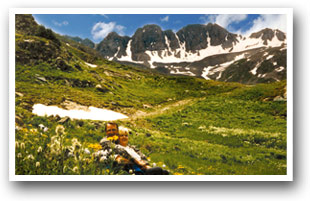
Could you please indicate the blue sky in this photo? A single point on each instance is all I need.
(97, 26)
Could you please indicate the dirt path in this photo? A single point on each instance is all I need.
(162, 109)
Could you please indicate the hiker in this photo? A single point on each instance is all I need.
(111, 130)
(131, 158)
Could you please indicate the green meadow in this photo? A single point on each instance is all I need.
(186, 125)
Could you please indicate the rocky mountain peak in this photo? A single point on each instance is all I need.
(149, 37)
(200, 36)
(268, 34)
(113, 44)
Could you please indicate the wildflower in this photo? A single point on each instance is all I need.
(115, 137)
(60, 130)
(43, 135)
(22, 145)
(37, 164)
(108, 171)
(19, 155)
(96, 147)
(24, 130)
(178, 173)
(164, 166)
(75, 143)
(17, 144)
(33, 130)
(39, 149)
(41, 126)
(75, 169)
(30, 156)
(154, 164)
(17, 128)
(180, 167)
(130, 171)
(148, 158)
(102, 159)
(86, 151)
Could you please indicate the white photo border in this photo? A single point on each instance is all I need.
(287, 11)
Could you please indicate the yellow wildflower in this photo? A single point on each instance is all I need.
(33, 130)
(178, 173)
(115, 137)
(43, 135)
(180, 167)
(96, 147)
(112, 138)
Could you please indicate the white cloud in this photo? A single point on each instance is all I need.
(267, 21)
(101, 29)
(224, 20)
(164, 19)
(59, 24)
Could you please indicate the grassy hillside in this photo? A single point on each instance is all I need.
(189, 125)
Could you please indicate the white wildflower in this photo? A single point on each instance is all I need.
(19, 155)
(75, 143)
(39, 149)
(41, 126)
(22, 145)
(60, 130)
(86, 151)
(30, 156)
(102, 159)
(38, 164)
(75, 169)
(17, 144)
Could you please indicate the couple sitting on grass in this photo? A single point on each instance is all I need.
(126, 155)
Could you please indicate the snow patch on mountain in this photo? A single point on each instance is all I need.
(177, 71)
(128, 56)
(91, 65)
(279, 69)
(181, 55)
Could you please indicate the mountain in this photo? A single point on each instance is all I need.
(190, 51)
(85, 41)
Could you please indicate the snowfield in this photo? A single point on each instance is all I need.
(91, 113)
